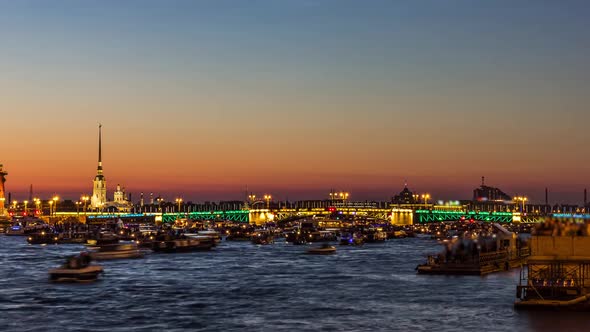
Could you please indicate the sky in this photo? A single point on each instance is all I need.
(202, 99)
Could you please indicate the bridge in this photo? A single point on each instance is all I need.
(260, 216)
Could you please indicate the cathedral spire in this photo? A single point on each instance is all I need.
(99, 148)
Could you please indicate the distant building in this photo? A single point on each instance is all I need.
(405, 197)
(489, 194)
(99, 191)
(98, 201)
(120, 202)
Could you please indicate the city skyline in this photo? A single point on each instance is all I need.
(203, 99)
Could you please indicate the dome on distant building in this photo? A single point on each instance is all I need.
(405, 196)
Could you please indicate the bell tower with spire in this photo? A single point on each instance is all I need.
(99, 191)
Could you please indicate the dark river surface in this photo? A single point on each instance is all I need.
(243, 287)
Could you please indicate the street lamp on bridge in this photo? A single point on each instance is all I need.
(425, 197)
(85, 199)
(37, 205)
(267, 198)
(178, 201)
(55, 200)
(522, 199)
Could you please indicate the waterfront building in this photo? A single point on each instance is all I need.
(120, 203)
(99, 191)
(405, 197)
(489, 194)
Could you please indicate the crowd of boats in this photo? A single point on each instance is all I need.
(114, 239)
(554, 257)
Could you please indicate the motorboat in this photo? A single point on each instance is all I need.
(209, 233)
(43, 238)
(76, 269)
(182, 245)
(102, 238)
(326, 249)
(116, 251)
(26, 226)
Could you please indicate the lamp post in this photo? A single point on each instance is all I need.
(85, 200)
(426, 197)
(55, 200)
(37, 203)
(78, 208)
(267, 198)
(159, 199)
(521, 199)
(14, 206)
(50, 208)
(26, 203)
(179, 201)
(416, 198)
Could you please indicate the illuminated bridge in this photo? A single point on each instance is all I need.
(261, 216)
(424, 216)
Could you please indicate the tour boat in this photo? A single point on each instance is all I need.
(465, 256)
(556, 274)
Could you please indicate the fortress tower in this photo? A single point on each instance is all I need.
(99, 191)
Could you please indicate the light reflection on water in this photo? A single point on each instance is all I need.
(239, 286)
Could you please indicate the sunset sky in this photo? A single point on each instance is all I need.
(203, 98)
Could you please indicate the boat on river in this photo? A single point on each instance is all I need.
(26, 226)
(76, 269)
(182, 245)
(480, 256)
(557, 275)
(209, 233)
(326, 249)
(116, 251)
(263, 238)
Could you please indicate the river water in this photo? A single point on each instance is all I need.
(241, 286)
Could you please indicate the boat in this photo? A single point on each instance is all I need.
(556, 274)
(102, 238)
(200, 235)
(326, 249)
(116, 251)
(26, 226)
(465, 256)
(147, 230)
(263, 238)
(375, 236)
(182, 245)
(351, 240)
(76, 269)
(43, 238)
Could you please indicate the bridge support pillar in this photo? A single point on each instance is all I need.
(260, 217)
(402, 217)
